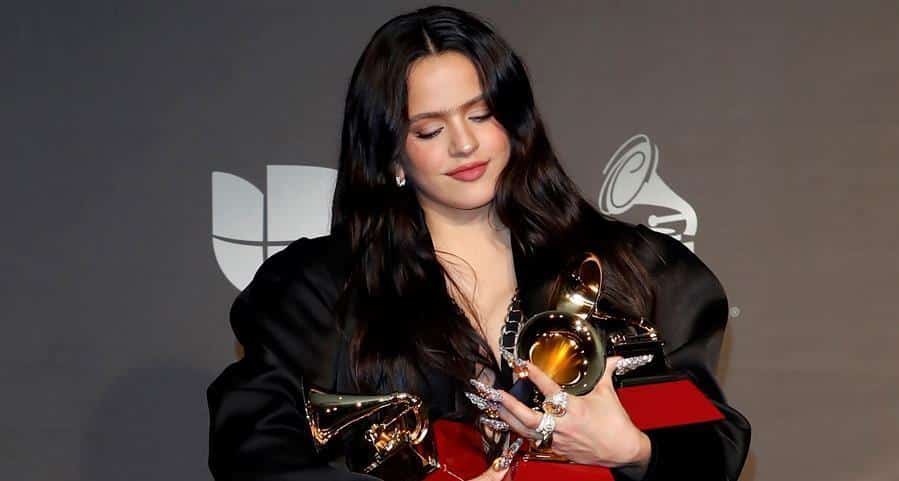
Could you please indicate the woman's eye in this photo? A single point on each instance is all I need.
(428, 135)
(431, 135)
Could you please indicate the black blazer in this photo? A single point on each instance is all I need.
(285, 322)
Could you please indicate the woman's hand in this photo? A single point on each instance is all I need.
(491, 475)
(594, 430)
(500, 466)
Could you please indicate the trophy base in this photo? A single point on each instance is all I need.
(667, 404)
(541, 454)
(458, 450)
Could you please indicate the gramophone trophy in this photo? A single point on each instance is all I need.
(571, 340)
(388, 423)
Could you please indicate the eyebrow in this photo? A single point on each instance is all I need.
(438, 113)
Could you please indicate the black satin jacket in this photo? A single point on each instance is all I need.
(284, 320)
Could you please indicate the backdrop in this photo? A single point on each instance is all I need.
(155, 153)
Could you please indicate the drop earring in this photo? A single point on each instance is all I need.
(400, 181)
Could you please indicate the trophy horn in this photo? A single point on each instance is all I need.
(571, 340)
(393, 421)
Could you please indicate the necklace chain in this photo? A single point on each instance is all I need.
(511, 326)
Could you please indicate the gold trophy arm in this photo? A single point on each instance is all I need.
(330, 414)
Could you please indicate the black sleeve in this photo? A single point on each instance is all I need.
(258, 429)
(691, 312)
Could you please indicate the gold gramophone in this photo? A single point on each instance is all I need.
(572, 338)
(390, 423)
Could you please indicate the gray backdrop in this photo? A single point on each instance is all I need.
(777, 122)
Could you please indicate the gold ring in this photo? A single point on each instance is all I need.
(557, 404)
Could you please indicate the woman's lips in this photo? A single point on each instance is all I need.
(469, 172)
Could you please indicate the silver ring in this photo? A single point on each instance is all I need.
(546, 427)
(556, 404)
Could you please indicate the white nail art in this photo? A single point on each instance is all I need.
(512, 360)
(486, 391)
(628, 364)
(494, 424)
(514, 447)
(480, 403)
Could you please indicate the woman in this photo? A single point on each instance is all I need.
(449, 200)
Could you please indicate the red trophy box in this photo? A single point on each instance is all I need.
(650, 406)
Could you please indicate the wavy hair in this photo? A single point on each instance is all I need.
(405, 320)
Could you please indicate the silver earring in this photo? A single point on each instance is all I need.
(400, 181)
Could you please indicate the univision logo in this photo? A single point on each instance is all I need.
(248, 226)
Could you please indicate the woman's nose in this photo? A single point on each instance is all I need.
(463, 141)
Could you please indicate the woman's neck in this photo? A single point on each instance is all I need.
(461, 231)
(475, 250)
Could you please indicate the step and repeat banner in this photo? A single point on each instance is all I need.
(157, 152)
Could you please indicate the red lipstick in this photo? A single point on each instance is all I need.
(469, 172)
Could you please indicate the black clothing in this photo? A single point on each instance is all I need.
(284, 320)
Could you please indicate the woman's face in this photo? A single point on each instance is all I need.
(455, 148)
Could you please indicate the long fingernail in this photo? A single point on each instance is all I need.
(505, 460)
(494, 424)
(520, 373)
(514, 447)
(519, 366)
(501, 463)
(513, 361)
(628, 364)
(480, 403)
(486, 391)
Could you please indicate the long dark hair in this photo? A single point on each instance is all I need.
(405, 320)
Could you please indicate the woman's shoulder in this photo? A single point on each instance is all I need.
(293, 290)
(674, 269)
(689, 297)
(660, 253)
(321, 260)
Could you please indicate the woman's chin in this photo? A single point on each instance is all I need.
(467, 198)
(474, 204)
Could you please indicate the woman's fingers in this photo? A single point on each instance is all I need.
(491, 475)
(606, 379)
(520, 418)
(500, 466)
(515, 424)
(521, 412)
(544, 383)
(496, 403)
